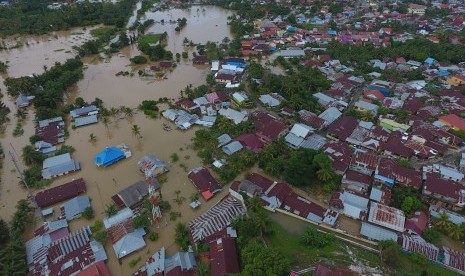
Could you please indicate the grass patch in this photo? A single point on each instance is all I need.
(145, 40)
(103, 33)
(301, 255)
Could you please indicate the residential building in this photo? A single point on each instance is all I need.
(205, 183)
(385, 216)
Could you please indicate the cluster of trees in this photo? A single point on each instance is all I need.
(315, 239)
(150, 107)
(33, 16)
(103, 36)
(297, 87)
(181, 236)
(155, 52)
(302, 167)
(12, 250)
(182, 22)
(256, 257)
(417, 49)
(455, 231)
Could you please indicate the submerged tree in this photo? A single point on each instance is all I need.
(136, 131)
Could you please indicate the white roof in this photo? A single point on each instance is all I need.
(353, 204)
(330, 115)
(129, 243)
(301, 130)
(121, 216)
(386, 216)
(234, 115)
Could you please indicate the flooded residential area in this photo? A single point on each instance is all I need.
(158, 137)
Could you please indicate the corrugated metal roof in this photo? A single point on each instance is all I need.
(87, 120)
(56, 160)
(377, 233)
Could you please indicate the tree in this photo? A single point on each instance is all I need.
(135, 129)
(443, 222)
(92, 138)
(4, 232)
(411, 204)
(432, 235)
(79, 102)
(31, 156)
(390, 253)
(101, 237)
(455, 231)
(88, 213)
(181, 236)
(123, 39)
(260, 260)
(325, 174)
(111, 210)
(141, 221)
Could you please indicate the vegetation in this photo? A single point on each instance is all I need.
(411, 204)
(139, 60)
(33, 17)
(313, 238)
(3, 67)
(432, 235)
(101, 237)
(174, 157)
(150, 108)
(88, 213)
(152, 45)
(181, 236)
(153, 236)
(98, 224)
(182, 22)
(111, 210)
(135, 129)
(175, 215)
(141, 221)
(12, 250)
(134, 262)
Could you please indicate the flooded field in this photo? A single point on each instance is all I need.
(207, 24)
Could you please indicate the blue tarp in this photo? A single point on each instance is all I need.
(331, 32)
(384, 179)
(430, 60)
(237, 64)
(108, 157)
(443, 73)
(290, 28)
(381, 89)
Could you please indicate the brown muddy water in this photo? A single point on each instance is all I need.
(100, 81)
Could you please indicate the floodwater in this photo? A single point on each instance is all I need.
(100, 81)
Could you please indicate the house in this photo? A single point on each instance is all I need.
(24, 101)
(301, 207)
(215, 219)
(416, 9)
(224, 258)
(51, 130)
(342, 128)
(241, 99)
(356, 181)
(250, 141)
(44, 147)
(124, 238)
(181, 263)
(323, 99)
(385, 216)
(366, 107)
(85, 120)
(351, 204)
(232, 147)
(132, 195)
(268, 128)
(225, 78)
(200, 60)
(112, 155)
(454, 259)
(271, 100)
(340, 155)
(330, 115)
(415, 244)
(59, 252)
(186, 104)
(244, 186)
(453, 121)
(202, 179)
(297, 135)
(456, 80)
(60, 193)
(389, 172)
(393, 125)
(97, 269)
(381, 194)
(417, 223)
(234, 115)
(311, 119)
(223, 140)
(364, 162)
(315, 142)
(84, 111)
(374, 232)
(151, 166)
(444, 190)
(59, 165)
(291, 53)
(74, 207)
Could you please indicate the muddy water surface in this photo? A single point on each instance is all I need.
(100, 81)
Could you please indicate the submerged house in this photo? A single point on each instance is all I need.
(111, 155)
(151, 166)
(73, 208)
(131, 195)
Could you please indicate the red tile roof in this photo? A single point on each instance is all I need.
(260, 180)
(354, 176)
(250, 141)
(442, 187)
(417, 223)
(453, 121)
(343, 127)
(97, 269)
(204, 181)
(60, 193)
(223, 257)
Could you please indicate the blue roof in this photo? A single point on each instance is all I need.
(381, 89)
(108, 156)
(332, 32)
(385, 179)
(291, 28)
(430, 60)
(443, 73)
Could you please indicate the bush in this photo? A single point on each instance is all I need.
(153, 236)
(174, 157)
(432, 235)
(88, 213)
(98, 224)
(133, 262)
(139, 60)
(164, 205)
(317, 239)
(141, 221)
(101, 237)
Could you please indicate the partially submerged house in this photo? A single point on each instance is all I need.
(74, 207)
(60, 193)
(111, 155)
(51, 130)
(151, 166)
(181, 263)
(59, 165)
(205, 183)
(132, 195)
(223, 256)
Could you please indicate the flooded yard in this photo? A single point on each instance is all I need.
(206, 24)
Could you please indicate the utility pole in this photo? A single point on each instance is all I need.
(30, 196)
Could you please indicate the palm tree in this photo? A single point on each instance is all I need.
(92, 138)
(254, 204)
(443, 221)
(136, 131)
(455, 231)
(31, 156)
(106, 121)
(324, 174)
(114, 112)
